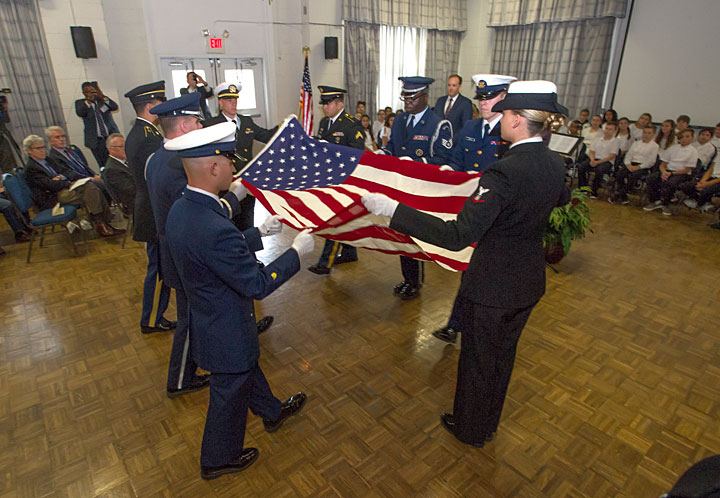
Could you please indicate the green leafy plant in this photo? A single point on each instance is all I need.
(568, 222)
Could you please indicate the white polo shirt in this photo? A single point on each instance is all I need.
(604, 148)
(679, 157)
(643, 153)
(705, 152)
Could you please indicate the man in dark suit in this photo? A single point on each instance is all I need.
(420, 135)
(96, 112)
(341, 128)
(505, 217)
(454, 106)
(50, 187)
(477, 146)
(144, 139)
(218, 271)
(196, 83)
(63, 157)
(227, 95)
(117, 173)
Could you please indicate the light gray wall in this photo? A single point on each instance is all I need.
(476, 45)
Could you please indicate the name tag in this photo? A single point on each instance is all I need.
(470, 139)
(421, 137)
(338, 134)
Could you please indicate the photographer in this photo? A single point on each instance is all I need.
(196, 83)
(96, 112)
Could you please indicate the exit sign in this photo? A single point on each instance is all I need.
(215, 46)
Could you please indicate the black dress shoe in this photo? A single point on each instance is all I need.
(246, 459)
(291, 407)
(447, 334)
(319, 270)
(410, 291)
(448, 422)
(264, 323)
(164, 325)
(200, 382)
(399, 287)
(22, 236)
(345, 259)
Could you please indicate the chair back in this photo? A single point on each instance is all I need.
(111, 190)
(18, 190)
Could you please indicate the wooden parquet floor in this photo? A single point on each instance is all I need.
(615, 392)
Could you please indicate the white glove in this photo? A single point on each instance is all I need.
(379, 204)
(271, 226)
(238, 189)
(304, 242)
(381, 152)
(445, 167)
(406, 158)
(472, 172)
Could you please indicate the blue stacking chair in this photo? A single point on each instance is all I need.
(22, 196)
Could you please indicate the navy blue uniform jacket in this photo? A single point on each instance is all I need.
(166, 181)
(506, 216)
(460, 112)
(221, 278)
(143, 140)
(473, 152)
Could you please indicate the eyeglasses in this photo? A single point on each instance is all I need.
(116, 146)
(38, 147)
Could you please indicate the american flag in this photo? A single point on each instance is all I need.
(306, 103)
(318, 185)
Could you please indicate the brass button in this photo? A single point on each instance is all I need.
(467, 150)
(480, 152)
(476, 165)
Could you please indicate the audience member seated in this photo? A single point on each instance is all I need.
(50, 187)
(666, 136)
(700, 192)
(610, 115)
(625, 139)
(378, 124)
(385, 133)
(675, 167)
(7, 208)
(601, 157)
(637, 128)
(117, 173)
(716, 138)
(583, 118)
(683, 122)
(636, 164)
(67, 160)
(593, 131)
(707, 152)
(367, 130)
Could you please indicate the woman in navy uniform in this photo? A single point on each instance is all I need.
(477, 146)
(217, 269)
(337, 127)
(144, 139)
(420, 135)
(505, 217)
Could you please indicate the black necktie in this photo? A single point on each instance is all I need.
(487, 130)
(100, 121)
(75, 162)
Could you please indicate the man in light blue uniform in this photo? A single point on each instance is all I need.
(420, 135)
(477, 146)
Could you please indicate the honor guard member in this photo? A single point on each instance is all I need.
(505, 218)
(477, 146)
(144, 139)
(341, 128)
(217, 269)
(420, 135)
(227, 94)
(166, 181)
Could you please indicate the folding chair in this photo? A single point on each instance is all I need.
(125, 209)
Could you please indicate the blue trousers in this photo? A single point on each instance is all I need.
(330, 252)
(230, 397)
(181, 372)
(8, 210)
(156, 294)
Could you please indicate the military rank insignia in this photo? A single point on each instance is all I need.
(419, 152)
(359, 134)
(447, 143)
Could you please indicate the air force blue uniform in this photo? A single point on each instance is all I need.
(217, 267)
(428, 141)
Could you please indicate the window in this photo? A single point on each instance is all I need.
(402, 53)
(179, 79)
(246, 79)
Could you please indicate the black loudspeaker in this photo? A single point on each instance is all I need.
(84, 42)
(331, 47)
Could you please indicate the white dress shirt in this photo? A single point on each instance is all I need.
(644, 153)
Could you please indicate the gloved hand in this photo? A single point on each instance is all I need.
(304, 242)
(472, 172)
(445, 167)
(379, 204)
(238, 189)
(270, 226)
(381, 152)
(406, 158)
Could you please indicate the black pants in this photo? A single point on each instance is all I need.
(663, 190)
(703, 196)
(413, 271)
(487, 355)
(625, 179)
(245, 219)
(100, 152)
(584, 169)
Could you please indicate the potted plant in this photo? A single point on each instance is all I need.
(566, 223)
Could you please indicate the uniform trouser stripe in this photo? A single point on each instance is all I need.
(183, 363)
(156, 302)
(333, 253)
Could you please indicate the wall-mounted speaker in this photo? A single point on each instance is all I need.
(84, 42)
(331, 47)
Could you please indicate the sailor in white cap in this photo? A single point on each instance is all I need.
(505, 217)
(216, 266)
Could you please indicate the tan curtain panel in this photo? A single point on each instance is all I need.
(574, 55)
(362, 64)
(430, 14)
(522, 12)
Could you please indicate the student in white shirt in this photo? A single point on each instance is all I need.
(706, 150)
(583, 118)
(601, 157)
(636, 164)
(700, 192)
(609, 115)
(675, 168)
(378, 124)
(666, 136)
(637, 128)
(593, 131)
(385, 132)
(716, 138)
(367, 130)
(683, 122)
(624, 137)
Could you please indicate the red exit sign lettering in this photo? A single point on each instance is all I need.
(216, 43)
